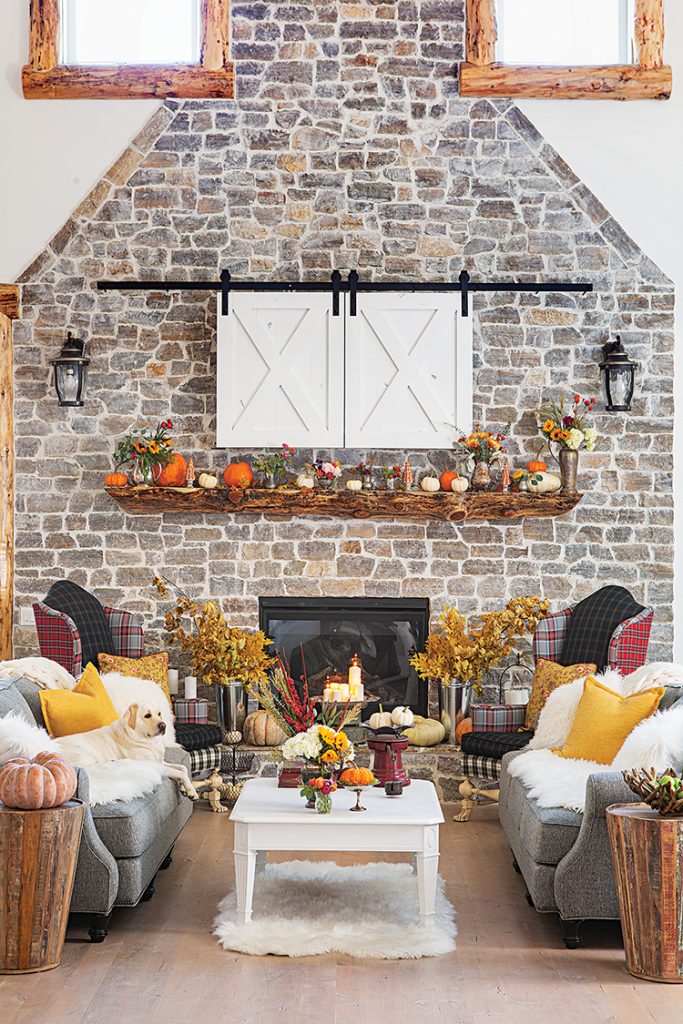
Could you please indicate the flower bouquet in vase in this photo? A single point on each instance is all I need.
(484, 449)
(272, 465)
(564, 424)
(324, 751)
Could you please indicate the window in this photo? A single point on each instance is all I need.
(105, 49)
(539, 32)
(130, 32)
(565, 49)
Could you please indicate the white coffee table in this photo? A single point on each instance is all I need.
(267, 818)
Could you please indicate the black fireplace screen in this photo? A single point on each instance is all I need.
(322, 635)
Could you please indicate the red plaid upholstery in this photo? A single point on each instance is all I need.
(627, 649)
(191, 712)
(59, 639)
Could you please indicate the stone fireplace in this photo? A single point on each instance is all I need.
(319, 636)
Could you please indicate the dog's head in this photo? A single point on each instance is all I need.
(144, 721)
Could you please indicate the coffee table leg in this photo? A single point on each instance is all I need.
(245, 870)
(261, 860)
(427, 874)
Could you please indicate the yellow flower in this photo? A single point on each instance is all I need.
(518, 473)
(548, 426)
(326, 735)
(493, 443)
(153, 448)
(341, 741)
(330, 757)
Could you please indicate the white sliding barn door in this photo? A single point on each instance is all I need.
(408, 370)
(280, 371)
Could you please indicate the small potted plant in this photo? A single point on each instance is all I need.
(390, 474)
(272, 465)
(364, 472)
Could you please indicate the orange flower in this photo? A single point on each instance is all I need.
(493, 443)
(548, 426)
(140, 447)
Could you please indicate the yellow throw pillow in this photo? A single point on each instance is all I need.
(604, 719)
(86, 707)
(150, 666)
(547, 677)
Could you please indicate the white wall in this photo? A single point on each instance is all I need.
(630, 155)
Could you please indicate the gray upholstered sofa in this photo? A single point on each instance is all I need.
(123, 844)
(564, 857)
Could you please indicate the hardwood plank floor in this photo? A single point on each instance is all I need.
(161, 965)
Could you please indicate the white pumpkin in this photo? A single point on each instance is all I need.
(430, 484)
(380, 720)
(354, 485)
(543, 483)
(402, 716)
(207, 480)
(305, 481)
(460, 484)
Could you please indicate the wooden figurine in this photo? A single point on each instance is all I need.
(217, 788)
(407, 475)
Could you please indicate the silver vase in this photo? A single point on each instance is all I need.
(456, 698)
(569, 465)
(231, 705)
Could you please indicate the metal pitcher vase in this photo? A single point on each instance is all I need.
(231, 705)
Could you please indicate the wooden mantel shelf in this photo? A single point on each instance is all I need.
(343, 504)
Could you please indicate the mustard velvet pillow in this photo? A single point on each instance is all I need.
(82, 709)
(604, 719)
(547, 677)
(150, 666)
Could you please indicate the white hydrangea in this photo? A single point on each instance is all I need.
(575, 439)
(304, 744)
(590, 435)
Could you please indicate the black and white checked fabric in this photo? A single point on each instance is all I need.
(592, 624)
(205, 759)
(474, 767)
(88, 615)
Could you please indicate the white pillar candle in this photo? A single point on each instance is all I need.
(357, 691)
(327, 694)
(173, 681)
(344, 691)
(190, 687)
(355, 671)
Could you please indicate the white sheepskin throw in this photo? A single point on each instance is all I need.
(42, 671)
(122, 780)
(19, 738)
(558, 712)
(126, 690)
(369, 911)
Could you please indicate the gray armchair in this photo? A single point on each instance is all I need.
(123, 844)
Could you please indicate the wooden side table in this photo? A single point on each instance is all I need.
(647, 850)
(38, 855)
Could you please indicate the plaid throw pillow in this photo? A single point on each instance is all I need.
(547, 677)
(592, 623)
(88, 615)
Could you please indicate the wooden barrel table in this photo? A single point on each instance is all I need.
(38, 855)
(647, 850)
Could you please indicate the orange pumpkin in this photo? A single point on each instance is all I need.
(238, 474)
(446, 479)
(357, 777)
(46, 781)
(536, 467)
(115, 480)
(173, 473)
(464, 727)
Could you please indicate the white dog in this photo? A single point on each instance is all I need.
(136, 736)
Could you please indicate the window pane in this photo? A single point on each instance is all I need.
(565, 32)
(130, 31)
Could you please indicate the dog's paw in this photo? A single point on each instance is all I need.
(189, 791)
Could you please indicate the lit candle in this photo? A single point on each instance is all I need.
(343, 691)
(327, 694)
(190, 687)
(357, 691)
(355, 671)
(173, 681)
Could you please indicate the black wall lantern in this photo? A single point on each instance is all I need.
(71, 372)
(618, 377)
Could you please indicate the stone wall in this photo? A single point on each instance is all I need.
(347, 147)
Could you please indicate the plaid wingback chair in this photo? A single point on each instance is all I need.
(483, 751)
(60, 641)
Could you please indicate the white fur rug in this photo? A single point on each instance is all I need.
(369, 911)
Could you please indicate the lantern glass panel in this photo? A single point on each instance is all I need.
(70, 382)
(620, 385)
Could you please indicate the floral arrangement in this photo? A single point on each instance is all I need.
(392, 472)
(480, 445)
(274, 463)
(218, 652)
(293, 711)
(364, 469)
(328, 748)
(324, 470)
(145, 448)
(456, 652)
(319, 790)
(565, 423)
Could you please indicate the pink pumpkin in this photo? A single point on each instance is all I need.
(46, 781)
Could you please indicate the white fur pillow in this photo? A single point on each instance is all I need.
(126, 690)
(558, 712)
(19, 738)
(657, 742)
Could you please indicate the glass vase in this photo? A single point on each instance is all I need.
(569, 466)
(323, 803)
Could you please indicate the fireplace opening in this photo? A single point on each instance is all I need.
(323, 634)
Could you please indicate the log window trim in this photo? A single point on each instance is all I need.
(46, 79)
(482, 75)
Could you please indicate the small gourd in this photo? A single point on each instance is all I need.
(305, 481)
(354, 485)
(115, 480)
(380, 720)
(464, 726)
(430, 484)
(536, 467)
(357, 777)
(460, 484)
(426, 732)
(543, 483)
(261, 730)
(402, 716)
(208, 481)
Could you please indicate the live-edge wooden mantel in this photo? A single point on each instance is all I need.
(343, 504)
